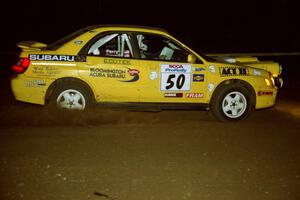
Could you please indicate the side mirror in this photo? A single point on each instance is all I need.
(191, 58)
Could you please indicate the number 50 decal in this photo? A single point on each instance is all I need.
(179, 81)
(175, 77)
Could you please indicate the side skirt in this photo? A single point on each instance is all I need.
(154, 107)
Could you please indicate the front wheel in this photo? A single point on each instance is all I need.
(231, 102)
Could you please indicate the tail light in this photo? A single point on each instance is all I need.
(21, 66)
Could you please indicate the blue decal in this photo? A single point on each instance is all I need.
(199, 69)
(198, 77)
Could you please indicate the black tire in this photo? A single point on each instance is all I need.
(71, 95)
(231, 102)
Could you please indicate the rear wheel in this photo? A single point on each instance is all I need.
(66, 102)
(231, 102)
(71, 95)
(71, 99)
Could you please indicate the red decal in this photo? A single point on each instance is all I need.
(133, 72)
(173, 94)
(194, 95)
(176, 66)
(261, 93)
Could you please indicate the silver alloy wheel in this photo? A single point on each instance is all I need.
(71, 99)
(234, 104)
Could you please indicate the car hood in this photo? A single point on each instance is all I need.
(249, 61)
(229, 69)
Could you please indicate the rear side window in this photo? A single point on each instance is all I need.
(112, 45)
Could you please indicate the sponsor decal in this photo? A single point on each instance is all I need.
(194, 95)
(78, 42)
(210, 87)
(117, 61)
(48, 57)
(108, 73)
(127, 54)
(234, 71)
(115, 73)
(256, 72)
(198, 77)
(35, 83)
(64, 58)
(199, 69)
(212, 68)
(153, 75)
(46, 70)
(175, 77)
(267, 93)
(115, 53)
(80, 58)
(50, 70)
(174, 95)
(134, 73)
(39, 70)
(175, 68)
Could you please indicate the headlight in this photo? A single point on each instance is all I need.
(280, 69)
(273, 81)
(268, 82)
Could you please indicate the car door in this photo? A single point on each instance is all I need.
(110, 69)
(171, 79)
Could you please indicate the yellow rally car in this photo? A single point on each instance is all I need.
(118, 64)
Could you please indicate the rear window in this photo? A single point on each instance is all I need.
(67, 38)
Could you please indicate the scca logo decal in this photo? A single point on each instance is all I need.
(176, 66)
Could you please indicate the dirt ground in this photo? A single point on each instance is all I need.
(130, 155)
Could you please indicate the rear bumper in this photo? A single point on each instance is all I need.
(28, 90)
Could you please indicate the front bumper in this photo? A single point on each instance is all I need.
(266, 96)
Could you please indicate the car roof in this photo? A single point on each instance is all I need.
(124, 26)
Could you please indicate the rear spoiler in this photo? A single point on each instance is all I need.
(31, 45)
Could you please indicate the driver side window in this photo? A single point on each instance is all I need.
(112, 45)
(155, 47)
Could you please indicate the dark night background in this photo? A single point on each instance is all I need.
(206, 26)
